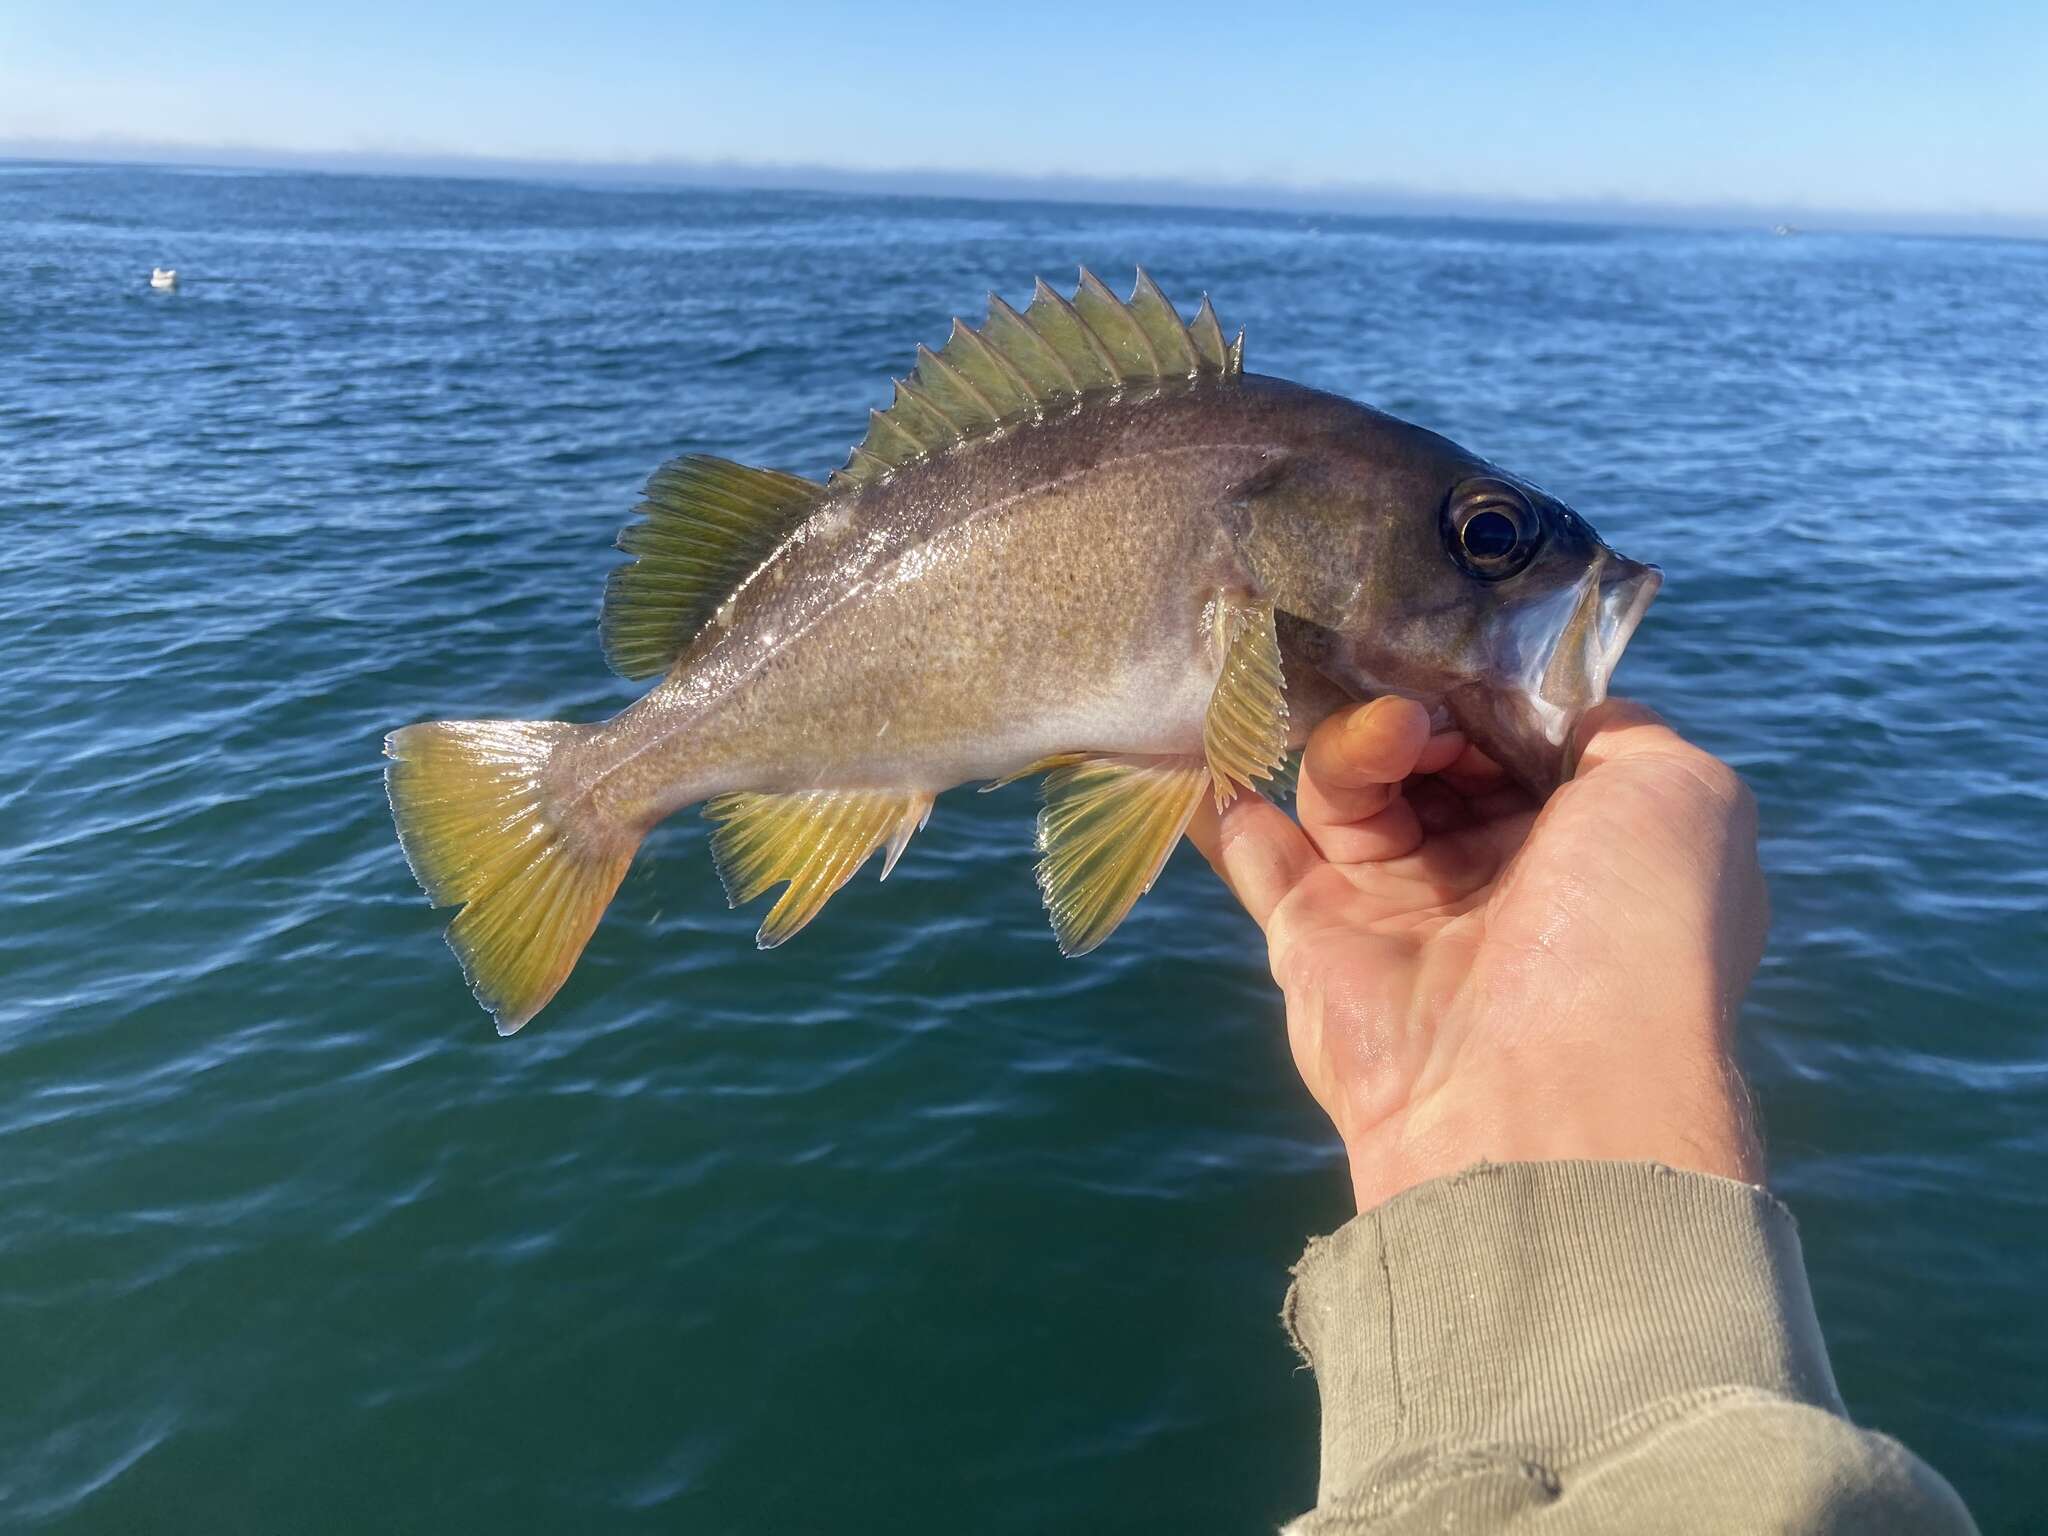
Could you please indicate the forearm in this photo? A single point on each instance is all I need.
(1586, 1346)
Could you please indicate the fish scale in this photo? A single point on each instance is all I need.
(1081, 541)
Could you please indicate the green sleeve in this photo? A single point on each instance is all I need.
(1584, 1346)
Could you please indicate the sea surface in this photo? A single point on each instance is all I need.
(911, 1225)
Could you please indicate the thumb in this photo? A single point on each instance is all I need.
(1255, 848)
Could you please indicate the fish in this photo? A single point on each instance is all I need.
(1081, 542)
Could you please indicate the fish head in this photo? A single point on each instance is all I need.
(1404, 564)
(1558, 607)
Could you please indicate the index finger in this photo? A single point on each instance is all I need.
(1358, 756)
(1350, 796)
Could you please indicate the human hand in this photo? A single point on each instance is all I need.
(1469, 977)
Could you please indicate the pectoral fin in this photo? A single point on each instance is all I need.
(1105, 833)
(1285, 783)
(1244, 735)
(1110, 823)
(813, 839)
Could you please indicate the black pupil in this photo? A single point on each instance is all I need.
(1490, 535)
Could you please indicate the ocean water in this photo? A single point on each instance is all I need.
(912, 1224)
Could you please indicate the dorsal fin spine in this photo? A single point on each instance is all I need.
(960, 410)
(928, 427)
(1056, 355)
(1053, 379)
(927, 397)
(972, 343)
(1014, 324)
(927, 358)
(1207, 336)
(930, 398)
(1155, 315)
(1110, 319)
(880, 424)
(969, 340)
(1060, 311)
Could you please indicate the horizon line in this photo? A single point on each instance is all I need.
(1358, 199)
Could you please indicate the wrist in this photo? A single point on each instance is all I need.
(1686, 1108)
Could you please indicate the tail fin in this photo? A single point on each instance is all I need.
(479, 827)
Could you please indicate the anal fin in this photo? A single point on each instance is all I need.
(1108, 825)
(1043, 765)
(812, 839)
(1244, 734)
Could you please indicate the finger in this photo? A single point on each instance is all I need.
(1441, 752)
(1472, 772)
(1356, 760)
(1392, 833)
(1256, 849)
(1622, 728)
(1622, 735)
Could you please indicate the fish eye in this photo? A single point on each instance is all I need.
(1491, 528)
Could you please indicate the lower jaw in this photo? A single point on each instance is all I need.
(1532, 725)
(1502, 725)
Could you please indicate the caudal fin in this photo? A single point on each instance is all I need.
(480, 827)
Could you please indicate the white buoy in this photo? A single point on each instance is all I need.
(163, 277)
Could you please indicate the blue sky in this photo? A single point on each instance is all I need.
(1884, 106)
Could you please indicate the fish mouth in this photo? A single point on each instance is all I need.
(1553, 658)
(1565, 672)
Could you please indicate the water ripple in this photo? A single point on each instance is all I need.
(727, 1234)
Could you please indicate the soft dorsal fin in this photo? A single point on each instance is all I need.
(1021, 367)
(705, 526)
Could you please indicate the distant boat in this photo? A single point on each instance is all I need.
(1784, 229)
(163, 277)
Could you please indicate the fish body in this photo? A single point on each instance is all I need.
(1081, 540)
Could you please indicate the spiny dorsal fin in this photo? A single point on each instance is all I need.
(705, 527)
(814, 839)
(1020, 367)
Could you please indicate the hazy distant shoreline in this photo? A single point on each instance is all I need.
(1348, 199)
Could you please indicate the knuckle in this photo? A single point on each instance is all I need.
(1717, 781)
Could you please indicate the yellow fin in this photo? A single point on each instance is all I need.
(1043, 765)
(1105, 833)
(813, 839)
(1169, 335)
(1244, 734)
(705, 526)
(1020, 367)
(1286, 781)
(478, 827)
(1207, 335)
